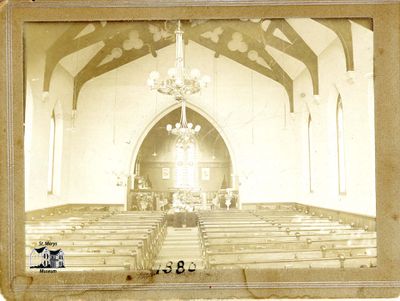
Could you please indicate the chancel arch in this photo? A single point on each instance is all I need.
(165, 165)
(192, 108)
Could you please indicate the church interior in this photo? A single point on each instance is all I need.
(200, 144)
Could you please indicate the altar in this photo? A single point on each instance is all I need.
(189, 201)
(175, 201)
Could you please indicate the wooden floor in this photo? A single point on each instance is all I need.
(280, 237)
(181, 244)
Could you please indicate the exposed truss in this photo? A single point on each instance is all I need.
(95, 67)
(272, 69)
(342, 28)
(214, 35)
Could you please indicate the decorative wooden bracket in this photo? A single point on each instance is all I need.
(342, 28)
(214, 35)
(69, 43)
(267, 66)
(96, 66)
(296, 47)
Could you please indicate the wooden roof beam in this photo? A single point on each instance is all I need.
(68, 43)
(364, 22)
(58, 50)
(342, 28)
(275, 72)
(94, 67)
(297, 48)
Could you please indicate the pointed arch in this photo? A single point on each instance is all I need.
(208, 117)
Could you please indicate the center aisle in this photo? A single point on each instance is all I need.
(180, 244)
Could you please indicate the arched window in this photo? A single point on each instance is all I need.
(309, 140)
(52, 143)
(185, 164)
(340, 146)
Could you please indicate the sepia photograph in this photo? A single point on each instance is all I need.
(183, 145)
(195, 150)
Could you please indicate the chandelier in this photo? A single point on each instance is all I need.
(184, 130)
(180, 82)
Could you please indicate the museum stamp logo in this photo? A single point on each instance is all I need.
(45, 259)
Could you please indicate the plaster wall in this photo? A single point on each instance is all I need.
(267, 143)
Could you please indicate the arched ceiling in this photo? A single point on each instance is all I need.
(280, 49)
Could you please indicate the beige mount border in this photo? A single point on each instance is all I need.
(383, 281)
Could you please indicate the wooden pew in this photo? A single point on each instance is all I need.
(352, 262)
(254, 256)
(266, 228)
(100, 238)
(286, 238)
(288, 245)
(280, 233)
(282, 238)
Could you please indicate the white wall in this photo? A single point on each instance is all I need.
(268, 144)
(358, 107)
(37, 136)
(117, 107)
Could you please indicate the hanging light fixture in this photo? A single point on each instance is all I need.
(180, 82)
(186, 131)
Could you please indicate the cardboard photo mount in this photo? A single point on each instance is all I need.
(382, 281)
